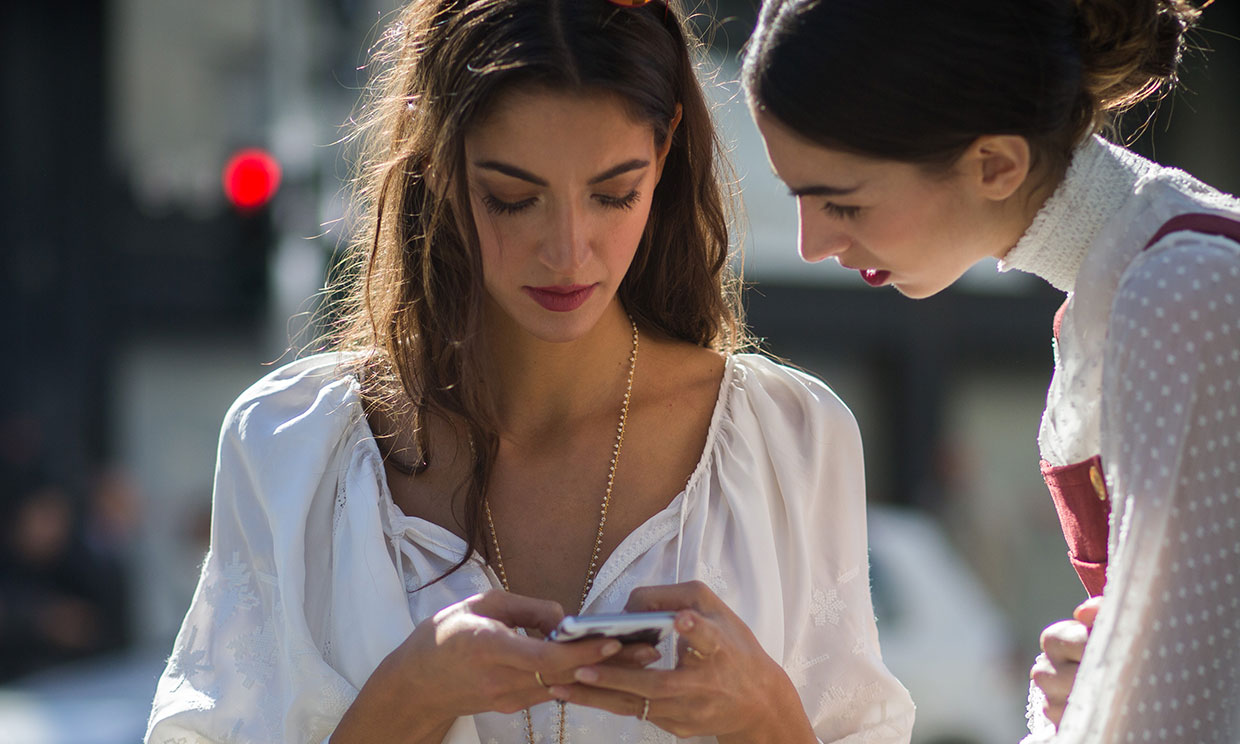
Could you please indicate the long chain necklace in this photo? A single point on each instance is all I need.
(598, 538)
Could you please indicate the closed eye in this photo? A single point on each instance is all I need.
(628, 201)
(498, 206)
(841, 211)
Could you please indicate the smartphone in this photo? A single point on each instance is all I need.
(626, 627)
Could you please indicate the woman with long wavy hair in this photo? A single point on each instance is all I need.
(535, 406)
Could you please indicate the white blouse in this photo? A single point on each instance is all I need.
(1147, 374)
(309, 582)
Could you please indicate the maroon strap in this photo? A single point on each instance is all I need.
(1209, 224)
(1079, 490)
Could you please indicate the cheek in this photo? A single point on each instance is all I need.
(617, 233)
(495, 244)
(625, 235)
(918, 228)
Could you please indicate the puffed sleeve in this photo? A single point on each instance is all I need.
(831, 650)
(245, 666)
(1161, 661)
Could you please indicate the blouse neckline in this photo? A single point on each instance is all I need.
(1098, 182)
(449, 546)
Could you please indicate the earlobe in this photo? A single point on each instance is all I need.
(666, 147)
(1001, 164)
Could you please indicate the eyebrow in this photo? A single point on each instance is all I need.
(524, 175)
(619, 170)
(822, 190)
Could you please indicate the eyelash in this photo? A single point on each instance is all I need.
(497, 206)
(628, 201)
(837, 210)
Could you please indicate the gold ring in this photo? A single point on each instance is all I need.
(539, 679)
(695, 653)
(645, 709)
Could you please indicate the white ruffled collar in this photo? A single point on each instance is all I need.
(1100, 179)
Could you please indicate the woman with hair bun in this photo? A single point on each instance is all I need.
(920, 136)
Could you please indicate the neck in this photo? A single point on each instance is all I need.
(1018, 212)
(538, 383)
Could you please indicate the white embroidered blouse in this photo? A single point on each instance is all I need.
(1147, 374)
(309, 582)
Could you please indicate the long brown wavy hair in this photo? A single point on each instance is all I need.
(411, 283)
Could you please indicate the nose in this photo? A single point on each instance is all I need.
(817, 237)
(567, 245)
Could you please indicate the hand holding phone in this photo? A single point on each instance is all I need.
(626, 627)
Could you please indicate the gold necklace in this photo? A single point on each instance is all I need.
(602, 522)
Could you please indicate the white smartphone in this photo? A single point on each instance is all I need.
(626, 627)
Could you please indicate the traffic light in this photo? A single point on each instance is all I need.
(251, 178)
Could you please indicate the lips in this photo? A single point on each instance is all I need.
(875, 277)
(561, 299)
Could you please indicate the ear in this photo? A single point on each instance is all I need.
(997, 165)
(661, 155)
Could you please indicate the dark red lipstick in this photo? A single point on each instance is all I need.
(875, 277)
(561, 299)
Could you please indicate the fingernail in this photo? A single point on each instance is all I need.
(648, 655)
(686, 622)
(559, 693)
(611, 648)
(586, 674)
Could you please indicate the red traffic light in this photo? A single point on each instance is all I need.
(251, 178)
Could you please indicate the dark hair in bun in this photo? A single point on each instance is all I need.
(1130, 50)
(920, 80)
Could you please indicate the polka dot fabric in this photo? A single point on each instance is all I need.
(1148, 375)
(1163, 666)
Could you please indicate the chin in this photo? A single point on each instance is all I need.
(919, 291)
(558, 328)
(556, 334)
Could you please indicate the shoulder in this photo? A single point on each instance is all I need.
(791, 441)
(781, 399)
(1183, 270)
(300, 400)
(281, 441)
(1176, 312)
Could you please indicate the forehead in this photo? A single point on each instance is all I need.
(794, 156)
(535, 123)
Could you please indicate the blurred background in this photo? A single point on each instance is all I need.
(171, 194)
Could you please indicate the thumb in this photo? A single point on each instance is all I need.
(1087, 611)
(517, 611)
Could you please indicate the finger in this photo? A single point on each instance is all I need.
(1054, 712)
(635, 656)
(551, 657)
(1087, 611)
(620, 703)
(1065, 641)
(561, 677)
(1055, 681)
(671, 597)
(519, 690)
(655, 684)
(546, 667)
(699, 633)
(517, 611)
